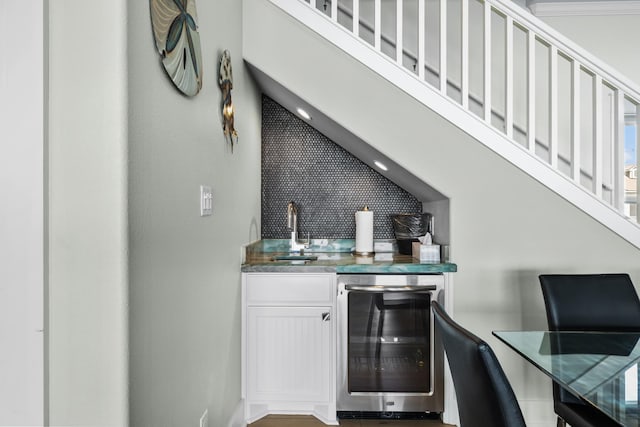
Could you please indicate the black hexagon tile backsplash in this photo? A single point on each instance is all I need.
(326, 182)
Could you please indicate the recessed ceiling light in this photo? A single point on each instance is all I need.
(304, 114)
(380, 165)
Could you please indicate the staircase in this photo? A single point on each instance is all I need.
(507, 79)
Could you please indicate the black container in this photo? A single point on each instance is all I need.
(408, 227)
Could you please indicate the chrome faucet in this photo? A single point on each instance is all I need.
(292, 224)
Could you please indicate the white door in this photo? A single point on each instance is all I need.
(289, 358)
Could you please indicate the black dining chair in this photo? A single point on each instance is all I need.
(587, 302)
(485, 397)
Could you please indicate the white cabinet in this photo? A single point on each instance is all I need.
(289, 358)
(287, 353)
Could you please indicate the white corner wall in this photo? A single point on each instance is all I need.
(22, 214)
(185, 269)
(87, 318)
(506, 228)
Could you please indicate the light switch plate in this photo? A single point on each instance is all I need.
(206, 200)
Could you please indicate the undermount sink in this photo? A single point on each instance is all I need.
(295, 258)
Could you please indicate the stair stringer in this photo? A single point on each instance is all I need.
(464, 120)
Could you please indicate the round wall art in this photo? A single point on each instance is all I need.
(175, 31)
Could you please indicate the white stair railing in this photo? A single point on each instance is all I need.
(541, 90)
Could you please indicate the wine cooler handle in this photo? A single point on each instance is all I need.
(390, 288)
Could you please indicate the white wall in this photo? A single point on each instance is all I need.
(506, 228)
(22, 213)
(185, 269)
(87, 214)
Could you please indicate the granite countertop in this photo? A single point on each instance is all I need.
(335, 255)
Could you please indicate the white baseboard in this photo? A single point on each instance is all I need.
(237, 418)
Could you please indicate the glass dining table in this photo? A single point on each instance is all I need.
(599, 367)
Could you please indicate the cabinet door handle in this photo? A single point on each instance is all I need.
(326, 317)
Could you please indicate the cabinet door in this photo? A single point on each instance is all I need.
(289, 354)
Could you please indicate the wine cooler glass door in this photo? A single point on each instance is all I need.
(388, 342)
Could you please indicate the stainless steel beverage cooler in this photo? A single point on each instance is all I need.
(389, 360)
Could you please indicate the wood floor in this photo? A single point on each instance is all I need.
(309, 421)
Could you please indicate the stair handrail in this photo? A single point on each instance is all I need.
(568, 45)
(603, 75)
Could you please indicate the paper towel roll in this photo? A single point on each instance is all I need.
(364, 232)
